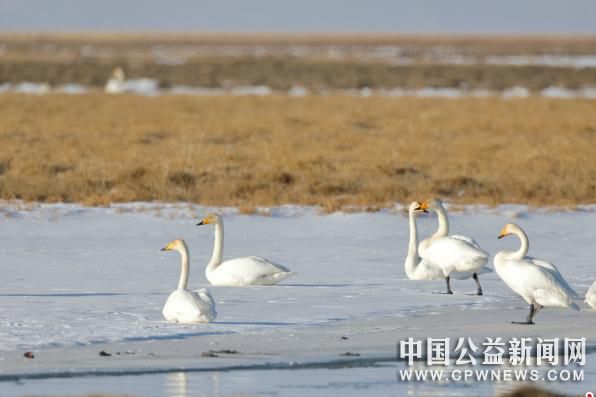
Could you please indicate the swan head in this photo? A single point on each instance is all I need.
(415, 206)
(432, 204)
(118, 74)
(510, 228)
(175, 245)
(212, 218)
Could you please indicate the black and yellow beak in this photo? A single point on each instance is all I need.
(420, 209)
(200, 223)
(503, 233)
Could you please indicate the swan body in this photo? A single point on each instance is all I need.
(115, 84)
(184, 306)
(455, 255)
(252, 270)
(538, 282)
(591, 296)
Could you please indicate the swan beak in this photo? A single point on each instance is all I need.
(167, 247)
(503, 233)
(200, 223)
(420, 208)
(423, 207)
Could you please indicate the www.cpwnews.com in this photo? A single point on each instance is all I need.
(514, 360)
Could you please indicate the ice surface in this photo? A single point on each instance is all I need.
(74, 275)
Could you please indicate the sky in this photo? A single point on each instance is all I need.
(326, 16)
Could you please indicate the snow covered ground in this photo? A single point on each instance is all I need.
(150, 87)
(78, 280)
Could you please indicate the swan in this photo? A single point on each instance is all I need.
(538, 282)
(184, 306)
(251, 270)
(453, 254)
(415, 267)
(115, 84)
(591, 296)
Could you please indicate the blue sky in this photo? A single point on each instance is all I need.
(422, 16)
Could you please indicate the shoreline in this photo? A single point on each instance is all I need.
(268, 353)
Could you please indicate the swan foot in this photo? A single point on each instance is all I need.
(533, 311)
(523, 322)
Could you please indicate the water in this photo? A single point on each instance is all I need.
(369, 379)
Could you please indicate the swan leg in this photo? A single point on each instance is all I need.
(449, 292)
(479, 288)
(537, 308)
(530, 316)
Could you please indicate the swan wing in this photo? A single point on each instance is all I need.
(252, 270)
(453, 254)
(467, 239)
(555, 272)
(535, 283)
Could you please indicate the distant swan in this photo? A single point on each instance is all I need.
(591, 296)
(115, 84)
(184, 306)
(453, 254)
(250, 270)
(538, 282)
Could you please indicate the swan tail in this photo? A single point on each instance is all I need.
(283, 275)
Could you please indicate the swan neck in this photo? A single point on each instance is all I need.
(443, 229)
(185, 268)
(413, 244)
(215, 260)
(525, 244)
(412, 258)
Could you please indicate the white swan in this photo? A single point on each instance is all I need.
(251, 270)
(415, 267)
(538, 282)
(184, 306)
(453, 254)
(591, 296)
(115, 84)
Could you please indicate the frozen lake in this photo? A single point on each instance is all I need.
(79, 280)
(369, 380)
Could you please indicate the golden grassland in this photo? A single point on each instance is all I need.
(333, 151)
(480, 44)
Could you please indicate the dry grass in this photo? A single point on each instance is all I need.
(471, 44)
(329, 151)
